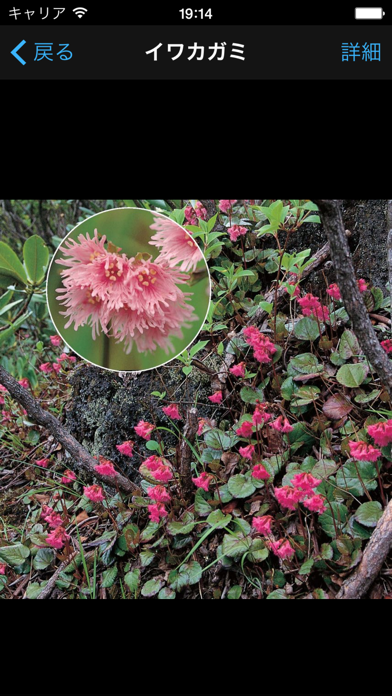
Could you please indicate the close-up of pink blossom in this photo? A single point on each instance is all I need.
(159, 494)
(105, 468)
(57, 538)
(216, 398)
(57, 367)
(68, 477)
(55, 340)
(333, 291)
(54, 520)
(282, 425)
(159, 470)
(247, 452)
(260, 472)
(94, 493)
(42, 462)
(288, 497)
(263, 524)
(363, 452)
(282, 548)
(175, 245)
(172, 411)
(263, 348)
(201, 423)
(236, 231)
(126, 448)
(305, 482)
(238, 370)
(2, 568)
(381, 432)
(46, 367)
(245, 430)
(225, 205)
(203, 481)
(157, 511)
(315, 503)
(144, 429)
(387, 345)
(24, 382)
(260, 414)
(312, 306)
(362, 285)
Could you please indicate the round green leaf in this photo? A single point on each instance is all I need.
(352, 375)
(234, 546)
(307, 329)
(368, 514)
(240, 487)
(152, 587)
(348, 345)
(43, 558)
(250, 396)
(166, 593)
(234, 592)
(306, 363)
(152, 445)
(132, 579)
(218, 519)
(187, 574)
(347, 477)
(36, 257)
(109, 576)
(337, 517)
(14, 555)
(10, 264)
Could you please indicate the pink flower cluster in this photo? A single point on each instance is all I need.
(126, 448)
(161, 496)
(245, 430)
(216, 398)
(263, 524)
(387, 345)
(105, 467)
(333, 291)
(260, 472)
(363, 452)
(158, 469)
(312, 306)
(381, 432)
(263, 348)
(144, 429)
(203, 481)
(247, 452)
(238, 370)
(135, 300)
(260, 414)
(225, 206)
(172, 411)
(68, 477)
(192, 214)
(302, 490)
(282, 548)
(94, 493)
(236, 231)
(57, 538)
(176, 246)
(282, 425)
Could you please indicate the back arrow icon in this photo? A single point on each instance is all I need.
(15, 52)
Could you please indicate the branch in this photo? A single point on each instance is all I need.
(190, 430)
(83, 460)
(345, 278)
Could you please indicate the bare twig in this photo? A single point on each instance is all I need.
(83, 460)
(190, 430)
(44, 594)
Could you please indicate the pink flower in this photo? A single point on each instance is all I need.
(2, 568)
(381, 432)
(224, 205)
(236, 231)
(238, 370)
(288, 496)
(24, 382)
(216, 398)
(363, 452)
(46, 510)
(263, 524)
(54, 520)
(281, 424)
(172, 411)
(203, 481)
(144, 429)
(62, 357)
(202, 423)
(247, 452)
(46, 367)
(333, 291)
(176, 246)
(159, 470)
(6, 416)
(192, 214)
(55, 340)
(260, 415)
(56, 367)
(153, 462)
(68, 477)
(263, 348)
(156, 512)
(57, 538)
(42, 462)
(126, 448)
(245, 430)
(94, 493)
(71, 358)
(311, 305)
(297, 291)
(282, 548)
(105, 467)
(3, 388)
(362, 286)
(159, 494)
(306, 482)
(260, 472)
(315, 503)
(387, 345)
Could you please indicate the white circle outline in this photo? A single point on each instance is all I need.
(136, 372)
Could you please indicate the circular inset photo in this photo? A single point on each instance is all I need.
(128, 289)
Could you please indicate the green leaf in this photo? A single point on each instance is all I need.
(250, 396)
(109, 576)
(36, 257)
(7, 333)
(347, 477)
(219, 519)
(306, 567)
(10, 264)
(352, 375)
(326, 552)
(312, 218)
(202, 508)
(306, 363)
(305, 395)
(183, 527)
(34, 589)
(338, 515)
(368, 514)
(307, 329)
(146, 557)
(277, 594)
(43, 558)
(188, 574)
(324, 468)
(300, 436)
(217, 439)
(234, 546)
(197, 347)
(348, 345)
(378, 297)
(240, 487)
(159, 204)
(132, 579)
(6, 298)
(365, 398)
(152, 587)
(166, 593)
(152, 445)
(14, 555)
(234, 592)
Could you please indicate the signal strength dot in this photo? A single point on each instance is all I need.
(80, 11)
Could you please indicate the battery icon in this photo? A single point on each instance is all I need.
(369, 13)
